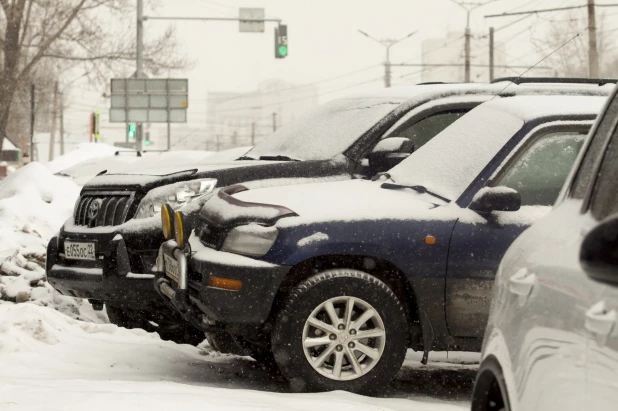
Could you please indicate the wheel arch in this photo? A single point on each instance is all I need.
(382, 269)
(489, 376)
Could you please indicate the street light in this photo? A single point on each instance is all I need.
(469, 7)
(388, 43)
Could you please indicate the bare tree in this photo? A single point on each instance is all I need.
(572, 60)
(98, 34)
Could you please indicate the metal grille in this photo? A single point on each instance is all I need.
(211, 236)
(98, 209)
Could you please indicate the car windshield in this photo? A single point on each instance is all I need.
(324, 132)
(448, 163)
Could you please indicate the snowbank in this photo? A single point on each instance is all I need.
(33, 206)
(52, 362)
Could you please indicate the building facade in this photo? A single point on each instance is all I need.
(244, 119)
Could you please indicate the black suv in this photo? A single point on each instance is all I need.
(107, 251)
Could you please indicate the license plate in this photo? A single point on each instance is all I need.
(79, 251)
(172, 270)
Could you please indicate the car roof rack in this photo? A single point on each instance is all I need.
(557, 80)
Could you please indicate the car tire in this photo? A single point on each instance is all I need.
(127, 317)
(490, 392)
(328, 365)
(180, 331)
(223, 343)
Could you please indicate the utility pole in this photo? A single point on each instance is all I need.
(274, 122)
(32, 96)
(139, 134)
(593, 53)
(253, 133)
(54, 114)
(491, 54)
(388, 43)
(468, 7)
(61, 123)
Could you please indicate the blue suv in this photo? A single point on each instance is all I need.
(336, 280)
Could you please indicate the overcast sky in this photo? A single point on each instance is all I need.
(323, 41)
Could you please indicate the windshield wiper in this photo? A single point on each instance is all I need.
(418, 189)
(246, 158)
(278, 158)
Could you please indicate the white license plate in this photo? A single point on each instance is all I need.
(172, 270)
(79, 251)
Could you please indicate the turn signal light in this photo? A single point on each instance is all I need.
(179, 230)
(224, 283)
(166, 221)
(430, 240)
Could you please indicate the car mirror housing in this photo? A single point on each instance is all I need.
(491, 199)
(599, 252)
(388, 153)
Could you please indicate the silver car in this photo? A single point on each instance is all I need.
(552, 338)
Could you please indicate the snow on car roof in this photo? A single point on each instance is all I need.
(403, 93)
(471, 142)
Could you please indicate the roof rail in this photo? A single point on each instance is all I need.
(564, 80)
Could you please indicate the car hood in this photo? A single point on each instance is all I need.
(337, 201)
(158, 176)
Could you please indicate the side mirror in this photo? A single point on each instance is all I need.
(491, 199)
(599, 252)
(388, 153)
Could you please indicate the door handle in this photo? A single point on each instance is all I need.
(599, 321)
(522, 282)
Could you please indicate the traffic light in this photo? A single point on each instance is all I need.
(281, 41)
(131, 131)
(94, 126)
(147, 139)
(97, 126)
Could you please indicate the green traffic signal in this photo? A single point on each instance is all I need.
(283, 51)
(131, 131)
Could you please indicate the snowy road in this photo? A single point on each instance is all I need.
(49, 361)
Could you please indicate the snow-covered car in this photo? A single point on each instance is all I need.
(552, 338)
(107, 251)
(338, 279)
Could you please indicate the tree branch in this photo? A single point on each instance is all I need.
(39, 55)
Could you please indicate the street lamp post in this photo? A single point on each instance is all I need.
(469, 7)
(387, 43)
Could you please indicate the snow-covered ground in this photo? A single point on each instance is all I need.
(52, 362)
(33, 205)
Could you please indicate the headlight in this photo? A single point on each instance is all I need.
(252, 239)
(175, 195)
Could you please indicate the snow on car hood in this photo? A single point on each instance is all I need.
(350, 200)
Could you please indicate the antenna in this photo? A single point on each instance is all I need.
(539, 62)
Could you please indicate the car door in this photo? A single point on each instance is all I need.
(601, 317)
(537, 170)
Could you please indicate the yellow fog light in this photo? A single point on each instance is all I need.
(166, 221)
(179, 230)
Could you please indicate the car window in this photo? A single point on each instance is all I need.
(604, 201)
(540, 172)
(587, 168)
(424, 130)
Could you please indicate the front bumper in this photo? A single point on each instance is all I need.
(207, 307)
(110, 278)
